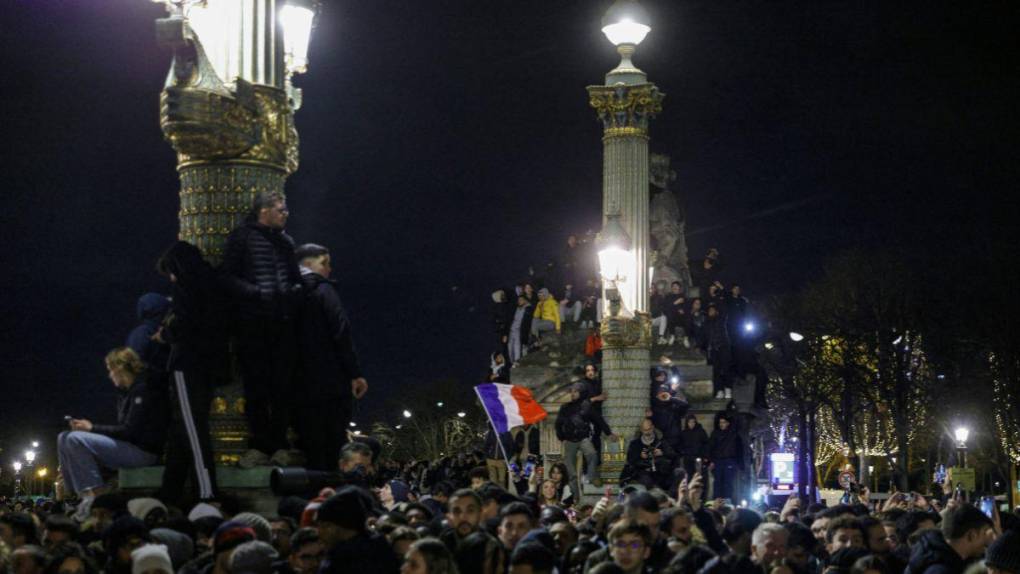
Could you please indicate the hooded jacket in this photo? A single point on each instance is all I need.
(933, 555)
(142, 417)
(152, 307)
(725, 444)
(667, 416)
(196, 327)
(328, 361)
(693, 441)
(548, 310)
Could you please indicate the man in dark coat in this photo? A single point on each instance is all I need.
(196, 332)
(350, 546)
(719, 356)
(964, 537)
(726, 451)
(260, 274)
(649, 458)
(574, 428)
(667, 414)
(693, 444)
(330, 375)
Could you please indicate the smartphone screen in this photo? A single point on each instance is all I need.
(988, 506)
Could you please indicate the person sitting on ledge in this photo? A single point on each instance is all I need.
(135, 440)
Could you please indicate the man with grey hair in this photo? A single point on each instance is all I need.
(260, 274)
(768, 545)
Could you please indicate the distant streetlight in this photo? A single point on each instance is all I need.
(42, 472)
(962, 434)
(398, 427)
(29, 456)
(749, 327)
(353, 424)
(439, 404)
(796, 337)
(35, 444)
(407, 414)
(462, 414)
(769, 346)
(296, 19)
(17, 466)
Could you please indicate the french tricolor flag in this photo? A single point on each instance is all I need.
(509, 406)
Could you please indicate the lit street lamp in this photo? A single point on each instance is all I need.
(227, 109)
(625, 104)
(407, 414)
(962, 434)
(29, 457)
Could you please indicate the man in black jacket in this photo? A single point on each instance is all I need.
(330, 375)
(135, 440)
(693, 444)
(574, 428)
(260, 274)
(726, 450)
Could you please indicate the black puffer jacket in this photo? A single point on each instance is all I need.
(725, 444)
(142, 417)
(260, 274)
(196, 329)
(932, 555)
(667, 416)
(576, 419)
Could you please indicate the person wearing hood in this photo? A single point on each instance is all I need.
(726, 451)
(393, 493)
(350, 546)
(136, 439)
(964, 537)
(520, 329)
(574, 429)
(331, 378)
(693, 444)
(260, 275)
(668, 410)
(718, 347)
(650, 458)
(197, 333)
(145, 338)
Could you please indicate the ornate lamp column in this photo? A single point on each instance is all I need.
(227, 108)
(625, 105)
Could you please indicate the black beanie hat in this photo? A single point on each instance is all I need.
(348, 508)
(1004, 553)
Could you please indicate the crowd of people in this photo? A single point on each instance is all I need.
(274, 305)
(447, 517)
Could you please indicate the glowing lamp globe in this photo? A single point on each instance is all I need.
(626, 23)
(296, 18)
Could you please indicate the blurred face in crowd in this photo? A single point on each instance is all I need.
(52, 538)
(575, 394)
(281, 536)
(696, 305)
(24, 563)
(878, 540)
(549, 490)
(565, 536)
(646, 425)
(798, 557)
(320, 265)
(71, 565)
(512, 528)
(890, 533)
(529, 289)
(771, 550)
(724, 424)
(7, 535)
(464, 515)
(274, 217)
(649, 519)
(385, 495)
(590, 372)
(818, 528)
(713, 312)
(556, 474)
(414, 563)
(354, 459)
(735, 290)
(307, 558)
(675, 288)
(629, 551)
(680, 529)
(691, 423)
(572, 240)
(416, 517)
(124, 550)
(845, 538)
(522, 301)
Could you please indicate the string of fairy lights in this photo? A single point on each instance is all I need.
(1006, 420)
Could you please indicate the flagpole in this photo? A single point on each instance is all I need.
(492, 425)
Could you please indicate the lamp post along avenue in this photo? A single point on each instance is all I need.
(625, 104)
(227, 109)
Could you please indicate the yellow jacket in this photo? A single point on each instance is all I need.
(548, 310)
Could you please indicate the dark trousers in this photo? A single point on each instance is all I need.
(720, 370)
(189, 450)
(322, 431)
(267, 371)
(725, 475)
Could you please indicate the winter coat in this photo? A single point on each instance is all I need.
(662, 462)
(152, 307)
(933, 555)
(716, 334)
(196, 328)
(693, 442)
(260, 274)
(142, 417)
(667, 416)
(328, 361)
(574, 423)
(658, 305)
(502, 316)
(725, 444)
(548, 310)
(522, 320)
(363, 553)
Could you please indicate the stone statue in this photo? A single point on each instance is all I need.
(667, 224)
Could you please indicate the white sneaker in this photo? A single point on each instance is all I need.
(81, 514)
(672, 339)
(687, 343)
(729, 393)
(720, 395)
(661, 341)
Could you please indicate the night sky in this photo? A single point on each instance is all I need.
(450, 144)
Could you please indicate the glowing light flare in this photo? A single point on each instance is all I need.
(626, 31)
(296, 22)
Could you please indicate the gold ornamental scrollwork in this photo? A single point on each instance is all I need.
(624, 332)
(625, 111)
